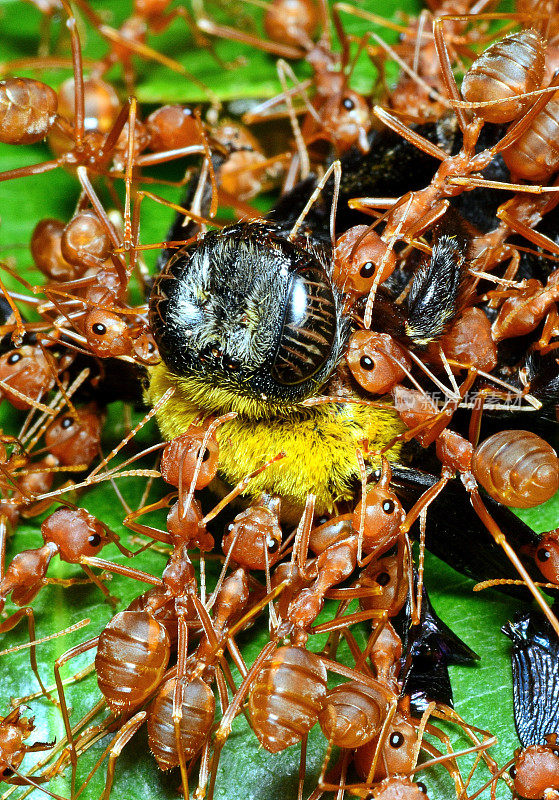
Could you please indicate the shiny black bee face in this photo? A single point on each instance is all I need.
(248, 311)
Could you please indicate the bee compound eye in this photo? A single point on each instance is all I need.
(309, 328)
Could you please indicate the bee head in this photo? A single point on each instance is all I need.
(250, 312)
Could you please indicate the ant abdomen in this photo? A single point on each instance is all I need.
(287, 697)
(517, 468)
(353, 714)
(132, 655)
(27, 110)
(198, 709)
(510, 67)
(535, 154)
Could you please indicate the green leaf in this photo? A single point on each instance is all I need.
(482, 693)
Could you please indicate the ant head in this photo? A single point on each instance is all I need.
(397, 754)
(107, 333)
(547, 556)
(383, 573)
(351, 121)
(75, 439)
(255, 536)
(145, 350)
(26, 370)
(400, 786)
(383, 517)
(374, 360)
(536, 771)
(180, 457)
(75, 532)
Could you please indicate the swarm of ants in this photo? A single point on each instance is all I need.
(276, 425)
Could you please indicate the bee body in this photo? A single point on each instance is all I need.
(319, 443)
(247, 320)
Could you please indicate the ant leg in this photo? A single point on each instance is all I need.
(239, 488)
(500, 539)
(113, 601)
(123, 737)
(335, 168)
(207, 25)
(10, 623)
(302, 766)
(304, 160)
(148, 530)
(66, 682)
(69, 654)
(224, 727)
(302, 537)
(412, 137)
(446, 71)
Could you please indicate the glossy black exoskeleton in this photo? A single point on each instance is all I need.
(429, 648)
(535, 673)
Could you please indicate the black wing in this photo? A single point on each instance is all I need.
(535, 674)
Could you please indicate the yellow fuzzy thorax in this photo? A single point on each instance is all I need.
(319, 442)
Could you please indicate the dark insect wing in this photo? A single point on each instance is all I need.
(535, 673)
(457, 536)
(428, 649)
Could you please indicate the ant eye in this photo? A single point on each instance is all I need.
(99, 329)
(151, 347)
(543, 554)
(367, 270)
(383, 578)
(206, 455)
(66, 423)
(376, 474)
(272, 545)
(512, 772)
(14, 358)
(94, 540)
(388, 506)
(421, 786)
(366, 362)
(396, 739)
(348, 104)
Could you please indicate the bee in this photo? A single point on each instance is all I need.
(248, 321)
